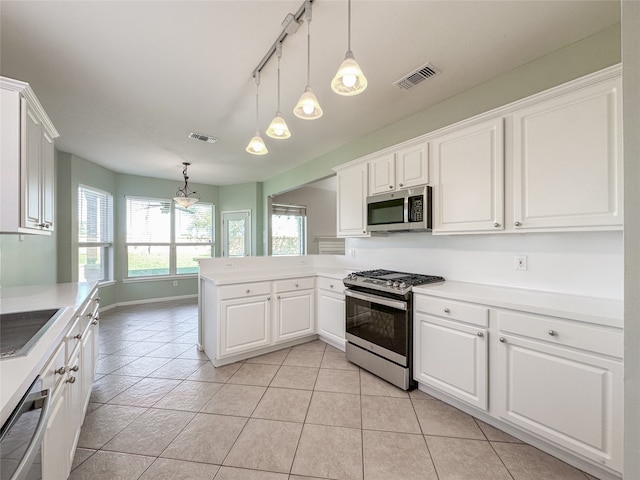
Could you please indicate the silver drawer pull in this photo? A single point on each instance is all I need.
(331, 286)
(71, 380)
(446, 310)
(75, 368)
(480, 334)
(61, 370)
(296, 285)
(78, 336)
(502, 339)
(278, 297)
(95, 321)
(269, 298)
(247, 290)
(496, 224)
(553, 333)
(517, 224)
(90, 315)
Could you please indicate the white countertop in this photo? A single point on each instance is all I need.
(242, 276)
(17, 373)
(600, 311)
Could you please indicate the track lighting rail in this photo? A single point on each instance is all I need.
(296, 18)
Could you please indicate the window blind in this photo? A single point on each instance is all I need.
(148, 220)
(289, 210)
(95, 216)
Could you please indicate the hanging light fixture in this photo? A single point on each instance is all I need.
(349, 79)
(185, 197)
(256, 144)
(308, 107)
(278, 127)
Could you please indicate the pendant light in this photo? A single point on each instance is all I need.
(185, 197)
(308, 107)
(278, 128)
(256, 144)
(349, 80)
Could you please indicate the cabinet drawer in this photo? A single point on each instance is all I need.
(464, 312)
(592, 338)
(330, 284)
(244, 290)
(293, 284)
(55, 370)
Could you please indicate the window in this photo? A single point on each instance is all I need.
(165, 239)
(288, 230)
(95, 235)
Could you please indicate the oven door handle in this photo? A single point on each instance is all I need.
(30, 454)
(375, 299)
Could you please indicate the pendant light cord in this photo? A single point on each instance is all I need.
(349, 28)
(257, 96)
(309, 48)
(279, 53)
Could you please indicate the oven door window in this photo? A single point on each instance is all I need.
(386, 212)
(379, 324)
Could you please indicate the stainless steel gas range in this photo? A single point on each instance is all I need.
(379, 322)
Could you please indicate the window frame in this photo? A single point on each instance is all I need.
(107, 247)
(282, 209)
(172, 244)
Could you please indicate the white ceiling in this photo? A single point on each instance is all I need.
(125, 82)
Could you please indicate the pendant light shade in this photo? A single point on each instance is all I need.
(349, 79)
(278, 127)
(185, 197)
(256, 144)
(308, 107)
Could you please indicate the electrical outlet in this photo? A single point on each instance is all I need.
(520, 262)
(228, 264)
(175, 283)
(303, 261)
(353, 253)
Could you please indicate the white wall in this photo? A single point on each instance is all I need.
(588, 264)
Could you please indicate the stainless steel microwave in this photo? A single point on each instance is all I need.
(403, 210)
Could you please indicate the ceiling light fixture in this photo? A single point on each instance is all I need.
(308, 107)
(185, 197)
(256, 144)
(278, 127)
(349, 79)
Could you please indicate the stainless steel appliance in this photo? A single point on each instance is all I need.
(21, 436)
(379, 322)
(403, 210)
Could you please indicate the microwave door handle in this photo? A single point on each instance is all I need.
(30, 454)
(406, 209)
(375, 299)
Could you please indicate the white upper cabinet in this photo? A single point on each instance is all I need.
(352, 201)
(468, 179)
(26, 162)
(568, 160)
(403, 168)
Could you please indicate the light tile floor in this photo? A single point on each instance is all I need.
(160, 410)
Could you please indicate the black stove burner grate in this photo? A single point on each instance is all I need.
(412, 279)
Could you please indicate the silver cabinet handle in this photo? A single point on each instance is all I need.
(496, 224)
(269, 298)
(401, 184)
(61, 371)
(247, 291)
(70, 380)
(95, 321)
(98, 300)
(331, 286)
(391, 186)
(553, 333)
(78, 336)
(517, 224)
(75, 368)
(502, 339)
(296, 285)
(90, 315)
(446, 310)
(480, 334)
(278, 297)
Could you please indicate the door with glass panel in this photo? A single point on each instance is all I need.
(236, 233)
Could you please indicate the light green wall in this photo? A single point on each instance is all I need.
(585, 56)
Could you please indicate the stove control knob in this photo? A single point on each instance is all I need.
(403, 285)
(389, 283)
(396, 284)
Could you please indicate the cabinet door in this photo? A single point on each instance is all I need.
(56, 442)
(48, 182)
(412, 166)
(468, 183)
(331, 317)
(85, 375)
(31, 166)
(294, 315)
(573, 399)
(568, 160)
(75, 399)
(244, 324)
(351, 200)
(451, 357)
(382, 174)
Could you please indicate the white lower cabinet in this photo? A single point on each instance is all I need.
(69, 375)
(294, 309)
(560, 381)
(331, 311)
(451, 348)
(242, 318)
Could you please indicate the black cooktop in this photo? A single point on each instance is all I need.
(400, 277)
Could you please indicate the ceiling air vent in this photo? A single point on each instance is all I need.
(203, 138)
(416, 77)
